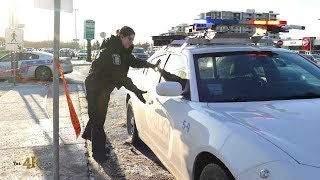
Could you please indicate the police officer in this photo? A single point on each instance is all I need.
(108, 71)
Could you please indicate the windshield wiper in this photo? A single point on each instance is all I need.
(308, 95)
(236, 99)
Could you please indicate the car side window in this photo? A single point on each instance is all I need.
(150, 73)
(177, 65)
(163, 59)
(28, 56)
(33, 56)
(6, 58)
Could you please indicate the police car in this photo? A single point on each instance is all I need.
(35, 64)
(249, 112)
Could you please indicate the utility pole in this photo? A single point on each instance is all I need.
(75, 24)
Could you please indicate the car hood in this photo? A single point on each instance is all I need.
(292, 125)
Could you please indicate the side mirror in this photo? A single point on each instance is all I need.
(169, 89)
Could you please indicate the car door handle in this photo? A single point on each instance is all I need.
(150, 102)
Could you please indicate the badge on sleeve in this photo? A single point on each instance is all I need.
(116, 59)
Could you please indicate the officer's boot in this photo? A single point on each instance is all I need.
(87, 131)
(98, 139)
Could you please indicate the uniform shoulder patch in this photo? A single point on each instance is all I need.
(116, 59)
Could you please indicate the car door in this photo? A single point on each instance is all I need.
(29, 59)
(166, 111)
(151, 79)
(5, 64)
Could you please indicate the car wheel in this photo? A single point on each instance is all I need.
(213, 172)
(43, 73)
(131, 126)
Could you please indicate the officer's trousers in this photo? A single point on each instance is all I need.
(98, 99)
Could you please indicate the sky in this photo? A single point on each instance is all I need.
(148, 17)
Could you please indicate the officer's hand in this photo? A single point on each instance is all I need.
(156, 66)
(140, 96)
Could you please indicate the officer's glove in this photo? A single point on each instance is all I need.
(155, 66)
(140, 96)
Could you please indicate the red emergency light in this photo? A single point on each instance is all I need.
(268, 22)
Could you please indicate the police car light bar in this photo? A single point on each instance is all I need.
(205, 24)
(225, 22)
(268, 22)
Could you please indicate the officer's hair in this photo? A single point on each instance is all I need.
(125, 31)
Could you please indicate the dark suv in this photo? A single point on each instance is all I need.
(140, 53)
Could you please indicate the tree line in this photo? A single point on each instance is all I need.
(72, 44)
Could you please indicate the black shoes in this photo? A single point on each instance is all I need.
(86, 135)
(101, 156)
(87, 132)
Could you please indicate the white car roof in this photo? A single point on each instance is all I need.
(41, 53)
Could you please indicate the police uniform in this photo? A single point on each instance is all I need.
(108, 71)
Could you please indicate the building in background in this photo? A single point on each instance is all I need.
(177, 30)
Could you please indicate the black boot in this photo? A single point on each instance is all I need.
(99, 151)
(87, 132)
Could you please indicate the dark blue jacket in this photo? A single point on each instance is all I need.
(112, 66)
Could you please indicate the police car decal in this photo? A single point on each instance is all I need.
(116, 59)
(38, 62)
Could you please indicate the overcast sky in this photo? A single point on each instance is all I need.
(149, 17)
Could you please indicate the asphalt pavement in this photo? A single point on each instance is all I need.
(26, 133)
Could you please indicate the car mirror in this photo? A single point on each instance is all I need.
(169, 89)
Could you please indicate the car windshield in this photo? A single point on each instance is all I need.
(255, 76)
(138, 50)
(83, 51)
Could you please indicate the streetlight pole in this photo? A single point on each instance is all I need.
(75, 23)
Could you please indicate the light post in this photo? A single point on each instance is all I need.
(75, 24)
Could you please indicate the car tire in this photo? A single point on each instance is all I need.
(43, 73)
(214, 172)
(131, 127)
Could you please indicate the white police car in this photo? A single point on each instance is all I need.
(35, 64)
(248, 112)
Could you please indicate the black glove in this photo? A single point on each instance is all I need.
(140, 96)
(155, 67)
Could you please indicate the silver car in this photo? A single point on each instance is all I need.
(35, 64)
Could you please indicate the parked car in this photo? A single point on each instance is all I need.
(317, 57)
(140, 53)
(310, 57)
(248, 112)
(40, 65)
(82, 54)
